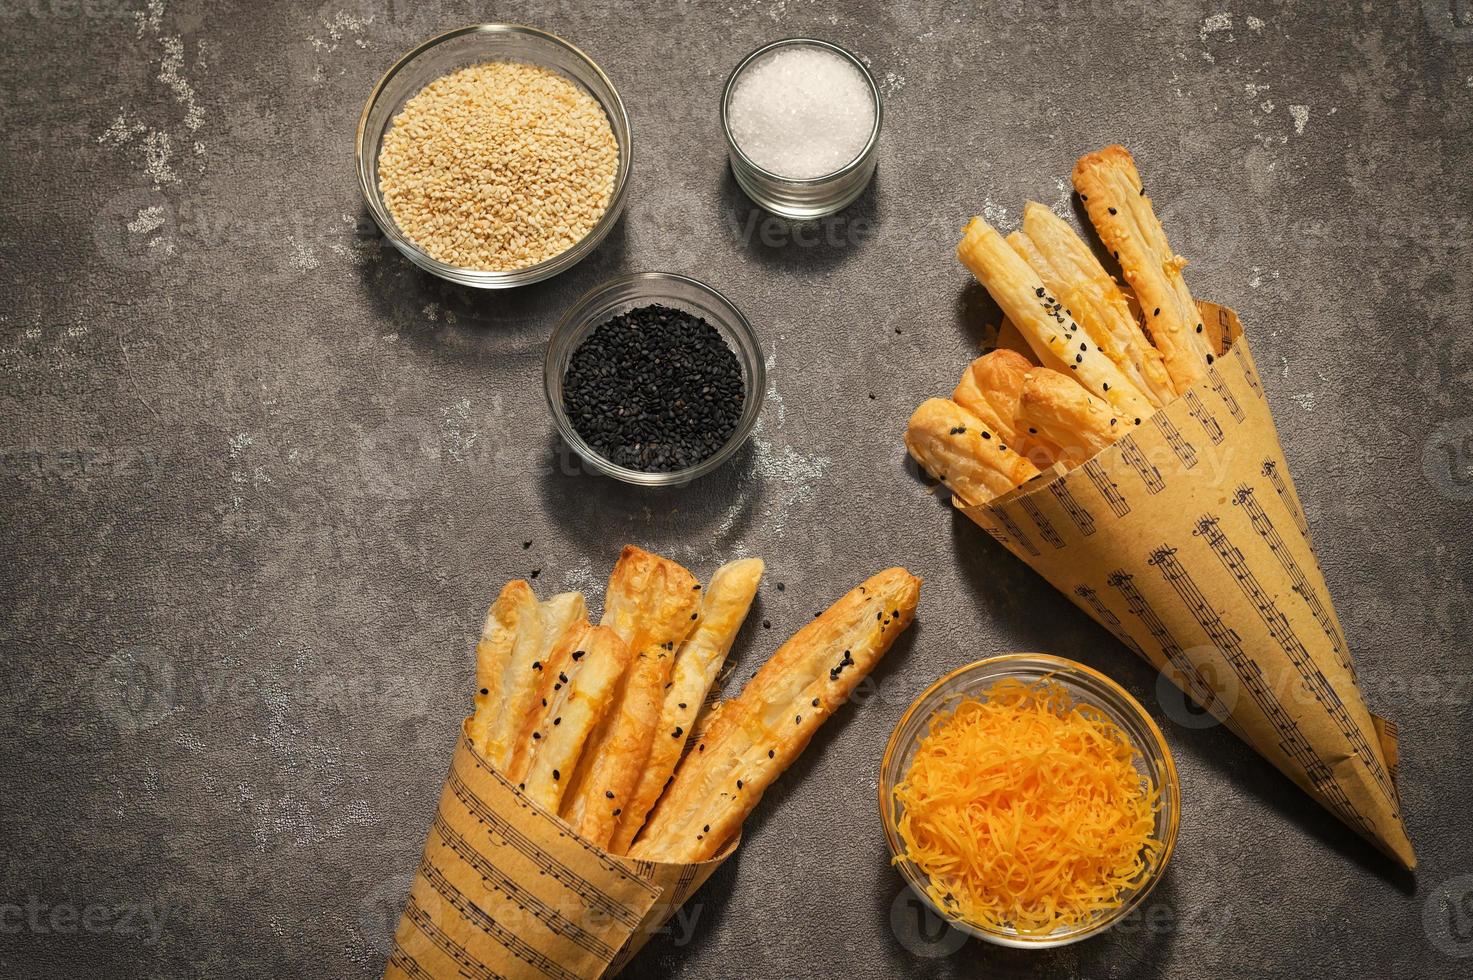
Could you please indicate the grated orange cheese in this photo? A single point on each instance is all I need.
(1026, 811)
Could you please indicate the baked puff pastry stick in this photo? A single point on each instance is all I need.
(506, 679)
(589, 676)
(989, 389)
(564, 621)
(1078, 422)
(958, 448)
(758, 734)
(1071, 272)
(1110, 187)
(652, 603)
(1042, 318)
(724, 605)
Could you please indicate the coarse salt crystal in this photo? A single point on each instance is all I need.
(801, 112)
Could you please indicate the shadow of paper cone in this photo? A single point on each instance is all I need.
(1187, 541)
(503, 889)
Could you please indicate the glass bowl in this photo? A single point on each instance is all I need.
(1085, 685)
(462, 48)
(643, 289)
(812, 197)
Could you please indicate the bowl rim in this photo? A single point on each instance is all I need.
(577, 314)
(1170, 789)
(481, 278)
(859, 158)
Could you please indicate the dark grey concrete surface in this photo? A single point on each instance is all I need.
(261, 477)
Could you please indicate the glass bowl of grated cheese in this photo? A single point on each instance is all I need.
(1029, 800)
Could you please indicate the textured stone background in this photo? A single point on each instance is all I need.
(261, 477)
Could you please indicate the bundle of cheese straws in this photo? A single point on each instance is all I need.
(598, 782)
(1119, 442)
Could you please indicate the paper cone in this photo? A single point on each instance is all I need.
(1186, 540)
(504, 889)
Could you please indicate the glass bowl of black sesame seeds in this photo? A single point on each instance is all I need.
(654, 379)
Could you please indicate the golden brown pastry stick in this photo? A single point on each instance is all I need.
(724, 605)
(758, 735)
(1078, 422)
(1118, 207)
(960, 450)
(564, 620)
(1040, 316)
(989, 389)
(593, 670)
(506, 681)
(652, 604)
(1071, 272)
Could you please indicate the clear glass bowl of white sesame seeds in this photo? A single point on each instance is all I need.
(802, 120)
(569, 76)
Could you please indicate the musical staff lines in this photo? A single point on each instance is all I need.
(1204, 418)
(1082, 518)
(1249, 373)
(1108, 619)
(1250, 677)
(1286, 496)
(1214, 378)
(546, 863)
(1045, 528)
(1012, 527)
(408, 965)
(598, 854)
(1130, 451)
(1196, 685)
(1209, 527)
(1265, 529)
(519, 896)
(1184, 450)
(478, 917)
(1107, 487)
(469, 965)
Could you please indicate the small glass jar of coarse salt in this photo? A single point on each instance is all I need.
(802, 124)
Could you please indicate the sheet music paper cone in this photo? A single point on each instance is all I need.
(505, 890)
(1187, 541)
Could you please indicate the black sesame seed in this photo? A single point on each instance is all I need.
(618, 810)
(557, 721)
(781, 587)
(556, 775)
(609, 793)
(536, 665)
(706, 829)
(1083, 346)
(484, 691)
(678, 732)
(797, 719)
(536, 736)
(1137, 421)
(987, 435)
(739, 784)
(1158, 312)
(536, 572)
(695, 615)
(1039, 290)
(578, 654)
(815, 702)
(682, 706)
(1199, 328)
(767, 624)
(526, 545)
(1113, 211)
(562, 677)
(1105, 385)
(771, 754)
(1209, 358)
(654, 389)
